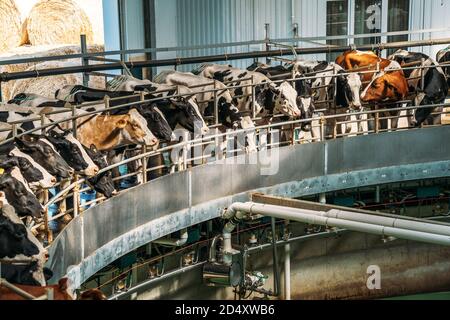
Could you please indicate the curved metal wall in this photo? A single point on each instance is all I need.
(140, 215)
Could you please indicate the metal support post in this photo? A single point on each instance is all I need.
(85, 61)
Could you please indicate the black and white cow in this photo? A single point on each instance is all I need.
(12, 113)
(44, 153)
(229, 115)
(18, 193)
(73, 152)
(36, 176)
(271, 98)
(18, 244)
(185, 110)
(432, 91)
(103, 182)
(443, 57)
(28, 274)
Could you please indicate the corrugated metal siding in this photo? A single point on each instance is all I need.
(202, 22)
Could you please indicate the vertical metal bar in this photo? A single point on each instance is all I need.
(422, 75)
(46, 218)
(74, 121)
(216, 105)
(377, 122)
(276, 279)
(14, 130)
(44, 130)
(76, 190)
(1, 96)
(50, 294)
(107, 101)
(322, 129)
(144, 165)
(267, 39)
(287, 268)
(85, 61)
(253, 98)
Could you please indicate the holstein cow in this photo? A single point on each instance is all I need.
(12, 113)
(36, 176)
(18, 193)
(61, 291)
(229, 115)
(271, 98)
(103, 182)
(432, 91)
(26, 274)
(388, 84)
(443, 57)
(184, 109)
(18, 245)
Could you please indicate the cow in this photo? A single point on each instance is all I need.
(230, 116)
(61, 291)
(12, 113)
(36, 176)
(17, 244)
(187, 113)
(103, 182)
(18, 193)
(105, 131)
(386, 80)
(443, 57)
(26, 274)
(44, 153)
(271, 98)
(73, 152)
(431, 91)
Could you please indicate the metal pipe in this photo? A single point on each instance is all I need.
(84, 61)
(17, 290)
(214, 58)
(287, 270)
(212, 248)
(308, 216)
(276, 275)
(174, 242)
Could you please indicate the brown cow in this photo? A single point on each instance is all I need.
(388, 84)
(61, 291)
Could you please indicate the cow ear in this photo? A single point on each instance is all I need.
(22, 143)
(121, 124)
(93, 148)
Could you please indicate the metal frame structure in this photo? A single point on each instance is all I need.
(185, 148)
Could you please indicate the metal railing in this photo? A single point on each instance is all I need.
(186, 158)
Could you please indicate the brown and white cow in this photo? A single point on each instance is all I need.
(387, 82)
(61, 291)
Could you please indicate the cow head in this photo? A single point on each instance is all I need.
(44, 153)
(19, 194)
(285, 99)
(193, 120)
(16, 242)
(34, 174)
(156, 121)
(386, 86)
(102, 183)
(134, 129)
(73, 153)
(352, 91)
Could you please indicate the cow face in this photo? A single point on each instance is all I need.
(19, 194)
(16, 242)
(386, 87)
(32, 274)
(134, 129)
(156, 121)
(44, 153)
(34, 174)
(250, 137)
(285, 100)
(102, 183)
(353, 91)
(192, 119)
(73, 153)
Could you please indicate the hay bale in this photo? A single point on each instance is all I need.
(38, 51)
(10, 25)
(57, 22)
(47, 86)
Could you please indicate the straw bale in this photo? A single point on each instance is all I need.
(10, 25)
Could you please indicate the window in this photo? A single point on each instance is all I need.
(337, 24)
(398, 20)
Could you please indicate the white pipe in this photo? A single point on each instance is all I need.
(384, 221)
(174, 242)
(300, 216)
